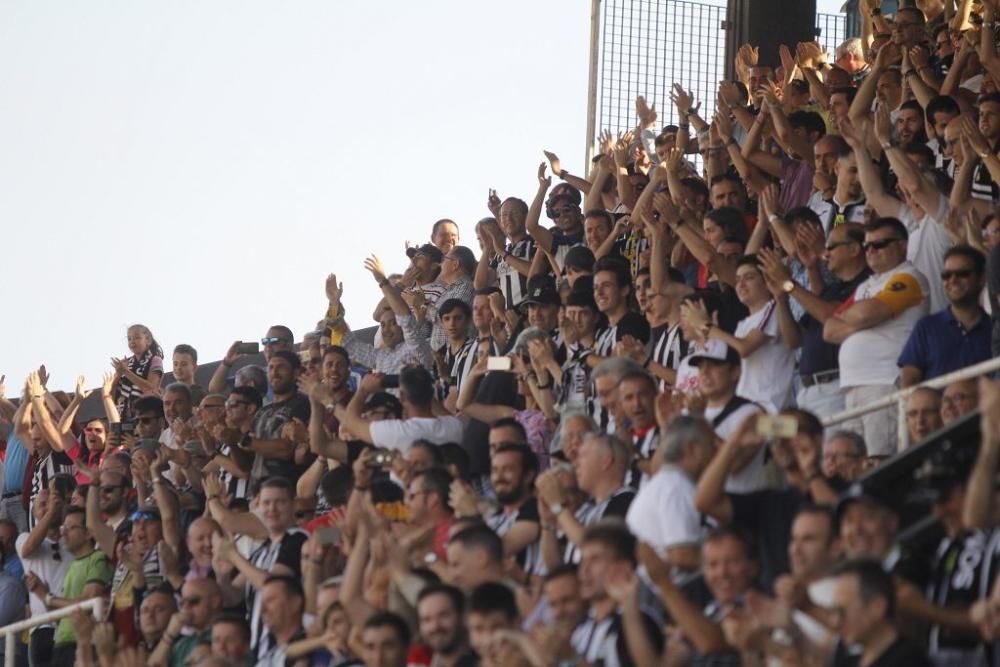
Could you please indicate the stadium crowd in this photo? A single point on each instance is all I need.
(598, 441)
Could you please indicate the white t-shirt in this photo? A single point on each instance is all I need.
(662, 514)
(399, 434)
(926, 247)
(766, 375)
(48, 568)
(868, 357)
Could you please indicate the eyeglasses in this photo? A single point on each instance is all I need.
(220, 406)
(830, 247)
(878, 245)
(233, 404)
(947, 275)
(191, 601)
(271, 340)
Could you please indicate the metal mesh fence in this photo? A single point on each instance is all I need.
(831, 31)
(646, 46)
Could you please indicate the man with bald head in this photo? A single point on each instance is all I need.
(199, 545)
(201, 601)
(923, 414)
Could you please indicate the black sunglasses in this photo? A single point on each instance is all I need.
(947, 275)
(878, 245)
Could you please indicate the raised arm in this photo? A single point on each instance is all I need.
(60, 442)
(883, 203)
(103, 534)
(581, 184)
(542, 236)
(910, 178)
(979, 511)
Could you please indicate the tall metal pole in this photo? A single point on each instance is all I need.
(595, 36)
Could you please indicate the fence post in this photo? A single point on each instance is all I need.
(9, 643)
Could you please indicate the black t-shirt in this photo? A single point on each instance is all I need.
(993, 272)
(901, 653)
(817, 354)
(766, 516)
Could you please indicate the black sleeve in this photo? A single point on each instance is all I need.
(653, 632)
(618, 506)
(302, 409)
(634, 325)
(290, 553)
(747, 508)
(528, 511)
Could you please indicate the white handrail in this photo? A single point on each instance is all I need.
(982, 368)
(9, 632)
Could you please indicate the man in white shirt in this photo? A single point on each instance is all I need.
(663, 513)
(416, 393)
(872, 327)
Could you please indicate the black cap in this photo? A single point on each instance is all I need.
(544, 295)
(564, 191)
(428, 249)
(857, 493)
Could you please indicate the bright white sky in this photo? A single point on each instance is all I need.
(200, 167)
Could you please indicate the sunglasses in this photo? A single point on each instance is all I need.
(143, 516)
(947, 275)
(830, 247)
(271, 340)
(878, 245)
(233, 404)
(556, 212)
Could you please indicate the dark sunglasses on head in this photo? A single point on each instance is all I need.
(947, 274)
(878, 245)
(143, 516)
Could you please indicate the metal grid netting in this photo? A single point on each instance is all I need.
(831, 31)
(646, 46)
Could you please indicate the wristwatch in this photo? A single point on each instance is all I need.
(788, 286)
(556, 508)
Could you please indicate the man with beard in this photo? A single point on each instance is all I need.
(280, 427)
(440, 610)
(516, 520)
(111, 498)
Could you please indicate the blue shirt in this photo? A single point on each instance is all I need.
(939, 344)
(14, 464)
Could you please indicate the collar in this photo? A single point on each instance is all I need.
(950, 317)
(643, 432)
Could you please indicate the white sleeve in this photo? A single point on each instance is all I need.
(393, 434)
(679, 522)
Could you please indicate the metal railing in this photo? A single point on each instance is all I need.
(11, 631)
(899, 398)
(831, 31)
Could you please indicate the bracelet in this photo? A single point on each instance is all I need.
(876, 11)
(774, 217)
(169, 638)
(732, 142)
(48, 599)
(562, 174)
(684, 126)
(546, 385)
(38, 395)
(362, 489)
(383, 282)
(209, 499)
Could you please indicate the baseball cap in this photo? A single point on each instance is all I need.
(545, 295)
(857, 493)
(429, 250)
(716, 350)
(564, 191)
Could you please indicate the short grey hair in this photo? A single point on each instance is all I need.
(682, 432)
(851, 46)
(576, 413)
(616, 368)
(179, 388)
(858, 445)
(619, 451)
(255, 376)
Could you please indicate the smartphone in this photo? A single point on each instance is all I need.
(328, 535)
(122, 428)
(390, 381)
(248, 348)
(777, 426)
(498, 364)
(382, 458)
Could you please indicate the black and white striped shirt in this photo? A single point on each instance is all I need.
(288, 552)
(668, 349)
(512, 283)
(615, 505)
(631, 324)
(45, 469)
(235, 487)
